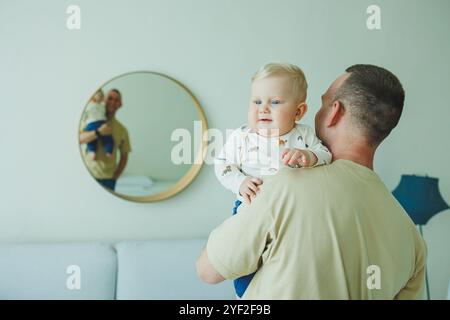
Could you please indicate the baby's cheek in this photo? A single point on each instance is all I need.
(283, 116)
(252, 115)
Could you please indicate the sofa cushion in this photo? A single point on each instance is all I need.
(57, 271)
(164, 269)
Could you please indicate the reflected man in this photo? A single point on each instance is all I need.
(106, 170)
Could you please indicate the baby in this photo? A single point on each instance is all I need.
(272, 139)
(95, 115)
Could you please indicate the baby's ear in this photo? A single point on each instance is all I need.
(301, 110)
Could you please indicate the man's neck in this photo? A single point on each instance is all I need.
(359, 153)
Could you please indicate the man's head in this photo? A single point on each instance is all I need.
(363, 104)
(113, 102)
(278, 98)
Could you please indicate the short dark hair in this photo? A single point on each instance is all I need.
(117, 91)
(375, 98)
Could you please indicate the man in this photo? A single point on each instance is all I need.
(106, 170)
(335, 231)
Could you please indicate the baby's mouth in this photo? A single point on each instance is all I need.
(265, 120)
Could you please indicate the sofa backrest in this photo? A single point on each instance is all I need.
(57, 271)
(156, 269)
(164, 269)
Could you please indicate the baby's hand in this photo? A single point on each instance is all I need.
(298, 157)
(249, 188)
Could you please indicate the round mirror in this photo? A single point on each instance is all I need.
(130, 133)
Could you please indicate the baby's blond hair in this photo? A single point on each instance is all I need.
(98, 96)
(299, 84)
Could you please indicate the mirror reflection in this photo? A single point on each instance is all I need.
(125, 135)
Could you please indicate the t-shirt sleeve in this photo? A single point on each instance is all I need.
(415, 287)
(235, 247)
(125, 146)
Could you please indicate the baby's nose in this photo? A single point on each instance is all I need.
(265, 108)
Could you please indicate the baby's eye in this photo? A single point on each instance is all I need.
(257, 102)
(275, 102)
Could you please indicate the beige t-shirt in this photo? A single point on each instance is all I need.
(104, 167)
(314, 233)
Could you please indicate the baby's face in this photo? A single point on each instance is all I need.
(273, 107)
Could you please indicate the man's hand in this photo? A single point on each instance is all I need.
(294, 157)
(249, 188)
(105, 129)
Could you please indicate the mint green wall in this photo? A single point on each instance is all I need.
(213, 47)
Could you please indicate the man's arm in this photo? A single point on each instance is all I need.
(89, 136)
(415, 287)
(122, 164)
(236, 247)
(206, 271)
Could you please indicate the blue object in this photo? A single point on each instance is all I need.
(108, 183)
(420, 197)
(107, 140)
(241, 284)
(237, 203)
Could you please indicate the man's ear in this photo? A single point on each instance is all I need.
(337, 111)
(301, 110)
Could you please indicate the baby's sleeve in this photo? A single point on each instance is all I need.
(313, 143)
(228, 163)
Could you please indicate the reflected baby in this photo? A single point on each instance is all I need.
(95, 115)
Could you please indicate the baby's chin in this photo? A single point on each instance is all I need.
(256, 126)
(272, 131)
(268, 131)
